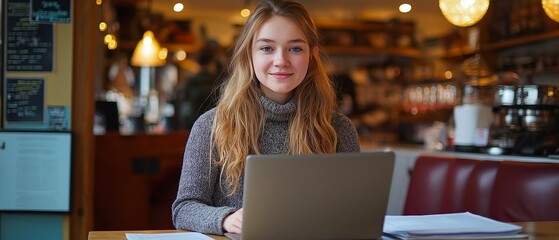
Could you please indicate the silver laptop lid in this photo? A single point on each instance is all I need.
(320, 196)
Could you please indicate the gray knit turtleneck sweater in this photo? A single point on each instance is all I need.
(200, 204)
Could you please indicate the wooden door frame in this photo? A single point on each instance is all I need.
(87, 62)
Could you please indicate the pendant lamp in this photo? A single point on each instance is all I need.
(551, 8)
(463, 13)
(146, 53)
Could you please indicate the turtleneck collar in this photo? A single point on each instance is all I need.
(275, 111)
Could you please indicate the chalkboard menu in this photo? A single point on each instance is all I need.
(51, 11)
(29, 45)
(25, 101)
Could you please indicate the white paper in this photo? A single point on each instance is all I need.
(167, 236)
(448, 226)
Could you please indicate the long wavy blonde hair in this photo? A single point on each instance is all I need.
(240, 116)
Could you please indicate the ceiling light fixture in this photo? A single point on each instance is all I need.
(146, 53)
(245, 12)
(102, 26)
(551, 8)
(463, 13)
(178, 7)
(180, 55)
(405, 8)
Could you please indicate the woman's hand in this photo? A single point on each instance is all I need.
(234, 222)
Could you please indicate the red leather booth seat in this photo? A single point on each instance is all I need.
(526, 192)
(479, 187)
(426, 188)
(506, 191)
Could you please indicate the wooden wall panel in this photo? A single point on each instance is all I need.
(136, 180)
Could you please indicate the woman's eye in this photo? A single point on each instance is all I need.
(266, 49)
(296, 49)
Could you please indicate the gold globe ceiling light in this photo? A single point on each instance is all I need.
(463, 13)
(551, 8)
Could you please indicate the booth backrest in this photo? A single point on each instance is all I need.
(503, 190)
(526, 192)
(479, 187)
(427, 186)
(455, 186)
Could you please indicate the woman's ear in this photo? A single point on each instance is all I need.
(314, 53)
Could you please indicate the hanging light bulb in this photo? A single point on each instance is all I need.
(112, 45)
(551, 8)
(463, 13)
(245, 12)
(147, 52)
(178, 7)
(109, 37)
(405, 8)
(102, 26)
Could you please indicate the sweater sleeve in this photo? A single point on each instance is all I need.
(348, 140)
(194, 208)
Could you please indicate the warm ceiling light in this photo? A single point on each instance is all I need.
(551, 8)
(102, 26)
(245, 12)
(448, 74)
(180, 55)
(109, 37)
(163, 53)
(147, 52)
(99, 2)
(463, 13)
(178, 7)
(112, 44)
(405, 8)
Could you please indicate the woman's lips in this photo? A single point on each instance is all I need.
(281, 75)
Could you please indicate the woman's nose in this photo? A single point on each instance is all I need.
(281, 59)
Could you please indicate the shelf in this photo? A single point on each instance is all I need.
(518, 41)
(390, 26)
(458, 53)
(365, 50)
(415, 81)
(345, 26)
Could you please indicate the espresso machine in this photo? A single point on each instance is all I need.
(526, 120)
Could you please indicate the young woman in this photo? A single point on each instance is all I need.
(276, 100)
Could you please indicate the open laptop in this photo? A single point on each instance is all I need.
(319, 196)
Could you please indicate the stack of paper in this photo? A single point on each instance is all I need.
(167, 236)
(449, 226)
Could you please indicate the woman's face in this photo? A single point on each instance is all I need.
(280, 58)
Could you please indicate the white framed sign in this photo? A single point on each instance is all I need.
(35, 171)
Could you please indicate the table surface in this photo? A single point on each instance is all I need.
(535, 231)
